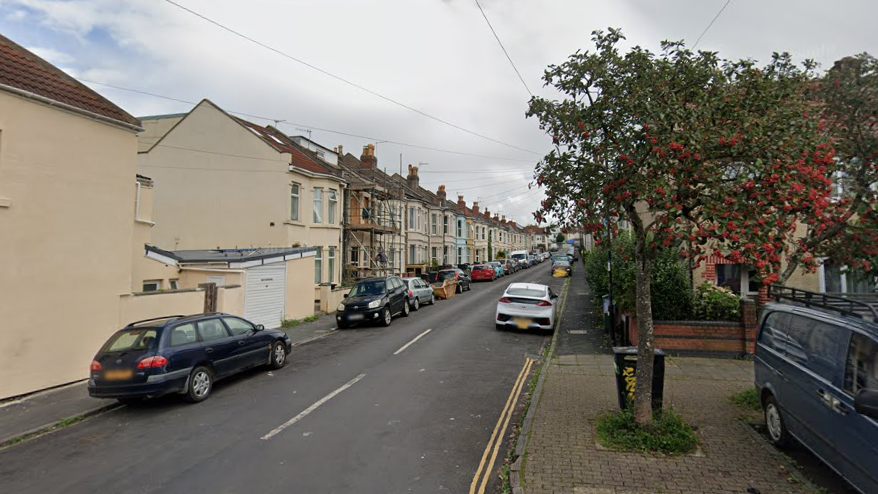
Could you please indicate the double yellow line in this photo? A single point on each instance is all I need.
(486, 466)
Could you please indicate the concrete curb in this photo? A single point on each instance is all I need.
(515, 470)
(25, 436)
(779, 457)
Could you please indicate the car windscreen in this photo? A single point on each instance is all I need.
(526, 292)
(131, 339)
(447, 275)
(519, 256)
(377, 287)
(480, 268)
(559, 262)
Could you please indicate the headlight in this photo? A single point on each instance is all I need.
(374, 304)
(340, 308)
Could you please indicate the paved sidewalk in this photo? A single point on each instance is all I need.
(562, 454)
(43, 410)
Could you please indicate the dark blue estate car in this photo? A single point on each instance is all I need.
(182, 354)
(816, 370)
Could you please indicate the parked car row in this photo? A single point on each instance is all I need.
(187, 354)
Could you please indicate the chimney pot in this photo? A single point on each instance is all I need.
(368, 158)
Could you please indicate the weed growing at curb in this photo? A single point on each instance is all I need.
(290, 323)
(669, 434)
(311, 318)
(746, 400)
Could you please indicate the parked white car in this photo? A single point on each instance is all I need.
(526, 306)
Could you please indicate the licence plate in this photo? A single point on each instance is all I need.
(521, 322)
(356, 317)
(118, 375)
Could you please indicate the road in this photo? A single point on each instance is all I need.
(360, 411)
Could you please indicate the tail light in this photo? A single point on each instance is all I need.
(95, 366)
(504, 300)
(543, 303)
(150, 362)
(411, 293)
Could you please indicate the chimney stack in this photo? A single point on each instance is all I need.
(441, 192)
(412, 178)
(503, 220)
(368, 159)
(496, 218)
(476, 207)
(461, 203)
(340, 151)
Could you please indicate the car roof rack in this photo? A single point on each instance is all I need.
(863, 306)
(135, 323)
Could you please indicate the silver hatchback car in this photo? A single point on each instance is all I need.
(421, 293)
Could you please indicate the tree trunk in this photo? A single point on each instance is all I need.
(643, 307)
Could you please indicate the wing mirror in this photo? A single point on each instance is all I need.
(866, 403)
(259, 327)
(345, 295)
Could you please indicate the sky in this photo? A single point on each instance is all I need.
(437, 57)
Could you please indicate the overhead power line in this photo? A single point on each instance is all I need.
(346, 81)
(711, 23)
(312, 127)
(504, 49)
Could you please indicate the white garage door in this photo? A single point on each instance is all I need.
(264, 298)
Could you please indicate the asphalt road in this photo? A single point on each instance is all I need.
(350, 413)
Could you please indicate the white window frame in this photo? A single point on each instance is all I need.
(331, 266)
(157, 283)
(434, 227)
(295, 199)
(411, 218)
(174, 284)
(318, 266)
(332, 206)
(317, 205)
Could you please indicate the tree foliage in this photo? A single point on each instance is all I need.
(717, 157)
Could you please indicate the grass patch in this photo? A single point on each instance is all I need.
(290, 323)
(669, 434)
(311, 318)
(747, 400)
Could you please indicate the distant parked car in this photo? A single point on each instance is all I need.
(498, 267)
(483, 272)
(562, 264)
(463, 281)
(374, 299)
(420, 292)
(509, 266)
(182, 354)
(526, 306)
(466, 268)
(816, 375)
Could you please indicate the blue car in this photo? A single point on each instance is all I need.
(182, 354)
(816, 370)
(498, 268)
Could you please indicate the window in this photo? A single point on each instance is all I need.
(774, 330)
(131, 339)
(183, 335)
(174, 284)
(435, 253)
(459, 255)
(318, 205)
(212, 330)
(418, 225)
(445, 255)
(355, 255)
(332, 264)
(445, 225)
(838, 279)
(294, 202)
(814, 344)
(333, 204)
(483, 233)
(729, 276)
(411, 254)
(459, 229)
(862, 367)
(238, 327)
(318, 266)
(411, 219)
(435, 227)
(152, 285)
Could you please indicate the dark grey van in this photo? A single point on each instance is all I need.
(816, 371)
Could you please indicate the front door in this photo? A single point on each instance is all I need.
(219, 346)
(858, 434)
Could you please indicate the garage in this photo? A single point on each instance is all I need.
(265, 294)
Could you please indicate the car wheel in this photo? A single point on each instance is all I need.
(386, 317)
(432, 298)
(416, 303)
(278, 355)
(459, 288)
(200, 385)
(406, 308)
(774, 424)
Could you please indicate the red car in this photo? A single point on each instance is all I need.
(483, 272)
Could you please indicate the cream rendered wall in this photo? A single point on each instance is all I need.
(324, 235)
(142, 268)
(137, 307)
(299, 303)
(66, 226)
(154, 129)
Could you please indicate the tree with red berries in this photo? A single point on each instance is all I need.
(844, 229)
(714, 157)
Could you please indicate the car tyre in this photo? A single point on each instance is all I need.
(416, 303)
(459, 288)
(278, 355)
(386, 317)
(406, 308)
(774, 423)
(432, 298)
(200, 385)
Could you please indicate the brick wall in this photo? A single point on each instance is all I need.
(715, 338)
